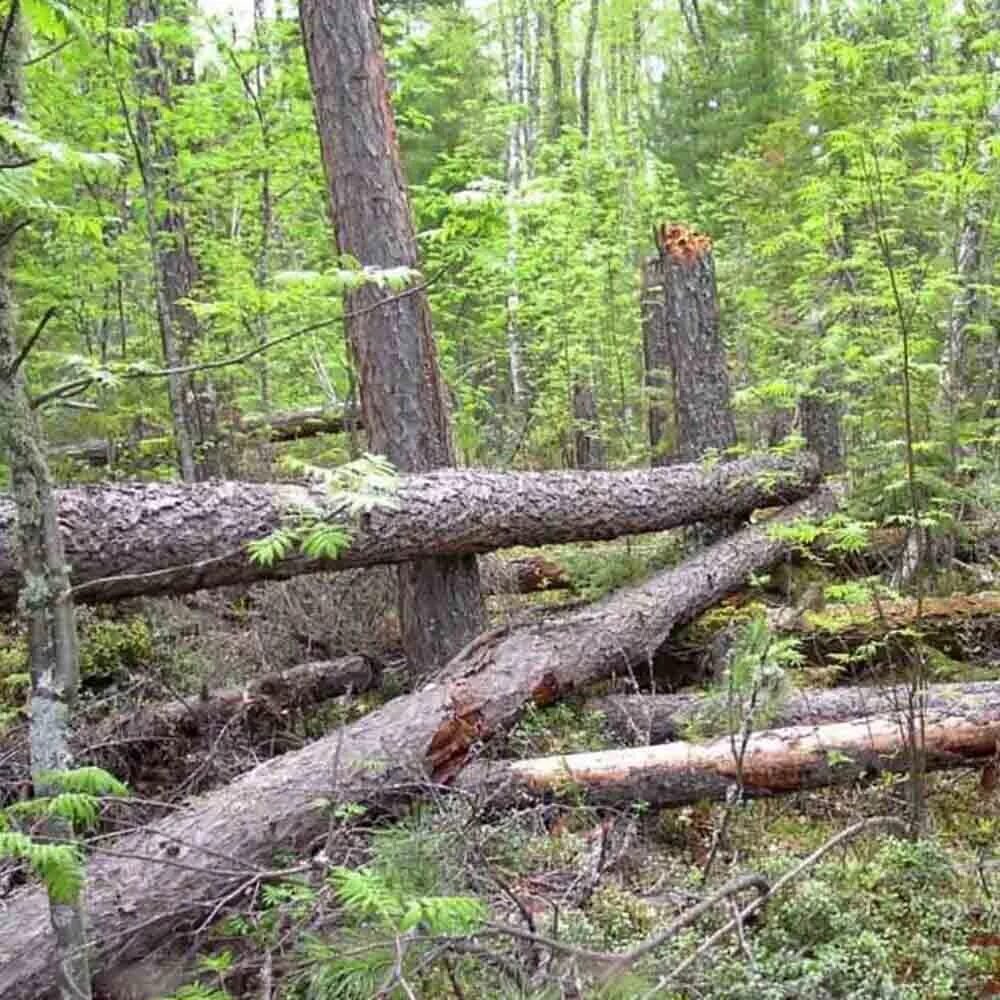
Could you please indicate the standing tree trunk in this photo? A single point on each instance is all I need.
(517, 174)
(554, 58)
(403, 400)
(656, 356)
(702, 409)
(587, 66)
(588, 447)
(174, 268)
(45, 597)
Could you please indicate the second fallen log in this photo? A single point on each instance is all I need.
(129, 540)
(775, 762)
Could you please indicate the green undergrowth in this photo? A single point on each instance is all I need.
(878, 918)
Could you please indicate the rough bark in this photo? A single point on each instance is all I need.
(41, 570)
(292, 425)
(662, 718)
(702, 407)
(819, 416)
(128, 540)
(387, 756)
(174, 269)
(403, 400)
(656, 356)
(791, 759)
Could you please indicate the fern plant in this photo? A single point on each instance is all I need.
(354, 489)
(76, 801)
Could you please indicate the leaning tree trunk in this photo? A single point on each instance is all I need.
(403, 399)
(649, 719)
(777, 761)
(127, 540)
(387, 757)
(702, 406)
(42, 571)
(656, 355)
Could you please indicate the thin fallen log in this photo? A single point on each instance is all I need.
(153, 748)
(288, 426)
(644, 719)
(129, 540)
(791, 759)
(167, 876)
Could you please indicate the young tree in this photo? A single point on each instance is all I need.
(45, 598)
(403, 400)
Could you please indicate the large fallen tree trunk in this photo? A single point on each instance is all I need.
(131, 540)
(661, 718)
(792, 759)
(290, 426)
(161, 878)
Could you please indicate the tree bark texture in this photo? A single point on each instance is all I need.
(657, 359)
(819, 416)
(129, 540)
(174, 268)
(702, 405)
(386, 757)
(293, 425)
(662, 718)
(403, 400)
(790, 759)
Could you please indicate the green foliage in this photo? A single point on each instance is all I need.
(353, 489)
(111, 648)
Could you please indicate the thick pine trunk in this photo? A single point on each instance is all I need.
(656, 357)
(643, 719)
(702, 406)
(791, 759)
(403, 400)
(129, 540)
(385, 757)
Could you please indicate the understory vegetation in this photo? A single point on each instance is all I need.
(499, 499)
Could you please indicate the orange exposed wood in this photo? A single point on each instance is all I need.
(682, 243)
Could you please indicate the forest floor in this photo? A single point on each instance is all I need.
(880, 917)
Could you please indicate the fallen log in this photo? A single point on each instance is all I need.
(277, 427)
(129, 540)
(649, 719)
(156, 746)
(964, 627)
(777, 761)
(164, 877)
